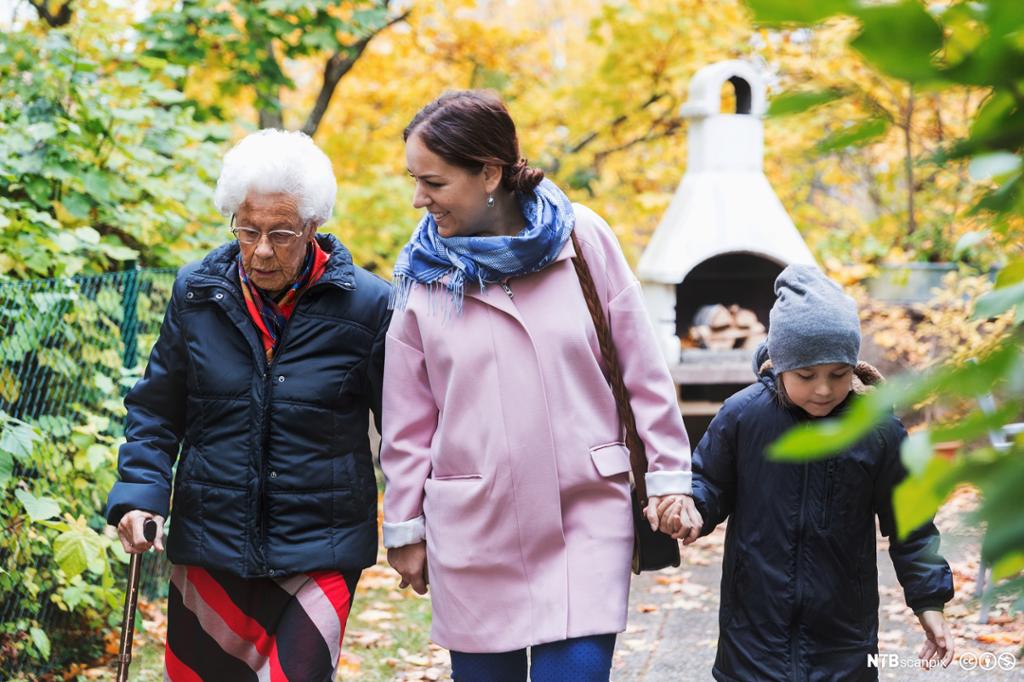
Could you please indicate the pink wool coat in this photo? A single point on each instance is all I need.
(502, 447)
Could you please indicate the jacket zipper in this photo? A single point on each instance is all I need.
(826, 512)
(261, 498)
(797, 602)
(508, 290)
(269, 370)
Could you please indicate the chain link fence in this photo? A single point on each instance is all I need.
(70, 349)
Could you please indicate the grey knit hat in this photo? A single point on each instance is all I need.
(812, 322)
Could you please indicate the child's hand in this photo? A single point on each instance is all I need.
(675, 515)
(939, 643)
(688, 522)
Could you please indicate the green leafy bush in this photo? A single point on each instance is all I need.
(936, 49)
(99, 165)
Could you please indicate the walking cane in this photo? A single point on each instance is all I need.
(131, 600)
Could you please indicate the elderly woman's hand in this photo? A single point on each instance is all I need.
(411, 563)
(130, 531)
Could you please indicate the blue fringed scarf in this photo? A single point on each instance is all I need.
(429, 258)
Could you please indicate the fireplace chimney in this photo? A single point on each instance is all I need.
(725, 236)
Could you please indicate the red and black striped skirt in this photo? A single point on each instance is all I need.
(222, 627)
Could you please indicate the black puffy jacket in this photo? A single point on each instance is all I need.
(800, 580)
(275, 473)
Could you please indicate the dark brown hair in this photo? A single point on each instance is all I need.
(780, 393)
(472, 129)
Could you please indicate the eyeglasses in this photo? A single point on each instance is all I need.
(250, 236)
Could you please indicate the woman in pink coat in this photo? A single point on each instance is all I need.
(502, 449)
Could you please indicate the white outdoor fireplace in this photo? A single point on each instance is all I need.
(725, 236)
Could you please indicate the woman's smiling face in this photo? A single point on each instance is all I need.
(454, 196)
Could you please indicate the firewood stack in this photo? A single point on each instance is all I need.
(717, 327)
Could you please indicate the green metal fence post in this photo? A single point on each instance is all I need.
(129, 329)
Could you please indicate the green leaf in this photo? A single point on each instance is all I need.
(1003, 198)
(916, 451)
(103, 382)
(17, 439)
(968, 241)
(961, 24)
(991, 119)
(37, 508)
(40, 191)
(97, 456)
(900, 39)
(1001, 507)
(6, 467)
(987, 166)
(1009, 566)
(781, 12)
(41, 642)
(119, 252)
(857, 135)
(977, 423)
(917, 498)
(998, 301)
(814, 440)
(169, 96)
(77, 550)
(66, 242)
(151, 63)
(75, 594)
(87, 234)
(41, 132)
(1011, 273)
(97, 184)
(798, 102)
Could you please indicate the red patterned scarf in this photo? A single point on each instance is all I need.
(269, 315)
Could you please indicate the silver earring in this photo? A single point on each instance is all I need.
(490, 201)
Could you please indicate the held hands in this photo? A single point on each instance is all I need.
(411, 563)
(675, 515)
(939, 643)
(129, 530)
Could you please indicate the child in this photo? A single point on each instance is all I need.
(799, 581)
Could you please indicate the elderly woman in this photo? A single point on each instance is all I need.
(507, 478)
(259, 387)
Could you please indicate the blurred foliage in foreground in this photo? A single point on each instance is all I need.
(965, 44)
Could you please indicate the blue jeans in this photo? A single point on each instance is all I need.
(582, 659)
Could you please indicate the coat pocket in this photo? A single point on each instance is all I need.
(457, 477)
(610, 459)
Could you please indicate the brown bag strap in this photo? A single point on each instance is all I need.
(637, 452)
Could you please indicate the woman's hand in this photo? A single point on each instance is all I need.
(129, 530)
(675, 515)
(411, 563)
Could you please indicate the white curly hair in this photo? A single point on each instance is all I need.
(270, 161)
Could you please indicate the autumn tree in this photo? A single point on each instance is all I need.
(230, 48)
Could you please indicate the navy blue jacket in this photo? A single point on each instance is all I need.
(799, 578)
(274, 471)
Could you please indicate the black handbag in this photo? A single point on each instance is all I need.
(652, 549)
